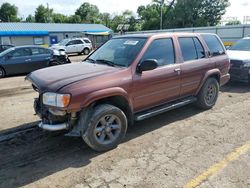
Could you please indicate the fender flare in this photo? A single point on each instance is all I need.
(105, 93)
(213, 72)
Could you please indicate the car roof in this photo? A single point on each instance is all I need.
(163, 34)
(28, 46)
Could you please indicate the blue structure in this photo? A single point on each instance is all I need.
(49, 33)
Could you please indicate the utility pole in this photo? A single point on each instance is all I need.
(162, 2)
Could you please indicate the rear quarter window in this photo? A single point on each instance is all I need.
(214, 45)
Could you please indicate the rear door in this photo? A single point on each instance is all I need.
(17, 61)
(195, 64)
(79, 45)
(151, 88)
(40, 58)
(217, 52)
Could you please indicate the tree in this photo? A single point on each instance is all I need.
(236, 22)
(43, 14)
(30, 18)
(182, 13)
(74, 19)
(88, 13)
(59, 18)
(105, 19)
(8, 13)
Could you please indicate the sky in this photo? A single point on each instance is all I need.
(238, 8)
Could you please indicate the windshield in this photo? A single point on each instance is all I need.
(118, 52)
(242, 45)
(64, 42)
(7, 51)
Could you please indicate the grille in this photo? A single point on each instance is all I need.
(236, 63)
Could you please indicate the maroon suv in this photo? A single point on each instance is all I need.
(129, 78)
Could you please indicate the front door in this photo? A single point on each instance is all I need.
(18, 61)
(161, 85)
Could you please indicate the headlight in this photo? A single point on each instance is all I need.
(246, 63)
(55, 99)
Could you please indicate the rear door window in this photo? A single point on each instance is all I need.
(213, 44)
(162, 50)
(78, 42)
(191, 48)
(21, 52)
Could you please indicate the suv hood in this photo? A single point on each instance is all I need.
(54, 78)
(238, 55)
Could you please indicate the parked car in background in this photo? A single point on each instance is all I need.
(74, 45)
(239, 55)
(130, 77)
(4, 47)
(25, 59)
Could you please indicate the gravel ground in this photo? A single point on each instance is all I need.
(165, 151)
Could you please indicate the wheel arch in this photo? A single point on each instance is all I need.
(214, 73)
(3, 69)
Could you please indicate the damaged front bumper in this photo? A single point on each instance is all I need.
(54, 119)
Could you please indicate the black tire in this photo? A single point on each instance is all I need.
(208, 94)
(99, 129)
(2, 73)
(86, 51)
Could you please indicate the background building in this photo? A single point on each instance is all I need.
(46, 34)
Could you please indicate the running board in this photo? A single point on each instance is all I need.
(164, 108)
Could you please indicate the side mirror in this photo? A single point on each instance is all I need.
(147, 65)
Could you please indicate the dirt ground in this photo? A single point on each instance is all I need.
(184, 147)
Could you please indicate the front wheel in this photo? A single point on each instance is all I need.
(208, 94)
(106, 128)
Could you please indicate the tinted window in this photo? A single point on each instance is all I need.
(188, 49)
(199, 48)
(213, 44)
(78, 42)
(70, 43)
(39, 51)
(21, 52)
(162, 50)
(87, 41)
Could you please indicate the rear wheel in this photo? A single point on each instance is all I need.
(208, 94)
(2, 73)
(106, 127)
(86, 51)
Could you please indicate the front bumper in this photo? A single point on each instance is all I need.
(240, 74)
(52, 119)
(53, 127)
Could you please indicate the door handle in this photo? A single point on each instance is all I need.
(28, 60)
(178, 70)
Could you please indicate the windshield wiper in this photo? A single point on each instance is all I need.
(104, 61)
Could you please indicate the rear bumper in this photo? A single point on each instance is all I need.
(224, 79)
(240, 74)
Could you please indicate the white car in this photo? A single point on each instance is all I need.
(74, 45)
(239, 55)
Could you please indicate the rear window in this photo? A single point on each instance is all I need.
(213, 44)
(86, 41)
